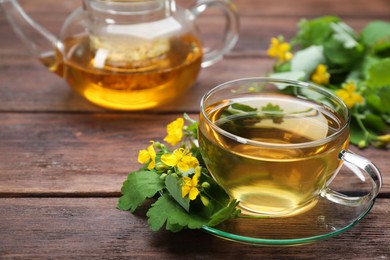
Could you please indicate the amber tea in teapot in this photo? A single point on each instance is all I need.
(145, 83)
(128, 54)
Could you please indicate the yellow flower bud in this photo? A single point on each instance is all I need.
(205, 185)
(362, 143)
(204, 200)
(161, 166)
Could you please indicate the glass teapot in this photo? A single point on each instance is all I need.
(126, 54)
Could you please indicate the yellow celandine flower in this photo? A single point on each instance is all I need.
(280, 50)
(348, 94)
(175, 132)
(180, 158)
(321, 75)
(190, 186)
(148, 155)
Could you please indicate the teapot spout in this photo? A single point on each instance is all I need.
(41, 43)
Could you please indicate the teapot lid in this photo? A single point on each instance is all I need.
(128, 7)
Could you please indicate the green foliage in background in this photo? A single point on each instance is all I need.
(356, 66)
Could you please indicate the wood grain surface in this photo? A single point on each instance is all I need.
(63, 160)
(92, 227)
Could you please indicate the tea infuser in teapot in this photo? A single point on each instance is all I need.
(126, 54)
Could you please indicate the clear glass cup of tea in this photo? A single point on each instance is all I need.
(276, 145)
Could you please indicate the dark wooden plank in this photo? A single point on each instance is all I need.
(71, 153)
(41, 228)
(352, 8)
(88, 154)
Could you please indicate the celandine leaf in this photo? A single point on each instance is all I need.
(290, 75)
(374, 122)
(226, 213)
(345, 34)
(378, 74)
(174, 227)
(378, 100)
(375, 32)
(216, 192)
(336, 54)
(271, 109)
(167, 211)
(315, 32)
(243, 107)
(174, 188)
(139, 186)
(307, 60)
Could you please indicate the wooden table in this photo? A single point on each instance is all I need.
(63, 160)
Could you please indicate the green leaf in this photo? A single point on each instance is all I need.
(366, 65)
(275, 112)
(272, 109)
(224, 214)
(336, 53)
(386, 118)
(167, 211)
(314, 32)
(375, 32)
(243, 107)
(376, 35)
(378, 100)
(174, 188)
(382, 49)
(374, 122)
(291, 75)
(174, 227)
(282, 67)
(307, 60)
(374, 102)
(139, 186)
(378, 74)
(216, 192)
(343, 33)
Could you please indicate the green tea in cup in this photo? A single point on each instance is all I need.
(275, 145)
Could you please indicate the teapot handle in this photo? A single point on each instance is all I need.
(230, 35)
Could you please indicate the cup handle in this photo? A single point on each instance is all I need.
(230, 36)
(358, 165)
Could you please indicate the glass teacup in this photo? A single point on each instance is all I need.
(276, 145)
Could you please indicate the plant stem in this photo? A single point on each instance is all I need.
(367, 135)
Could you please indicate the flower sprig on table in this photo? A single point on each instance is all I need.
(175, 176)
(355, 66)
